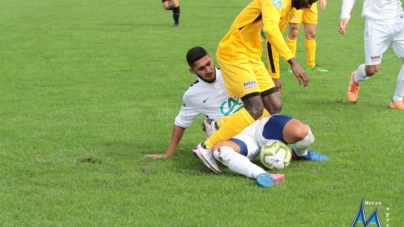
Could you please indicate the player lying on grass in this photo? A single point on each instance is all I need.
(237, 152)
(207, 96)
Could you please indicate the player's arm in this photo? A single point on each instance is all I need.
(346, 9)
(176, 136)
(323, 4)
(184, 119)
(271, 19)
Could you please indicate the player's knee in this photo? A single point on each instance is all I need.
(293, 31)
(372, 69)
(296, 131)
(307, 140)
(275, 108)
(255, 111)
(301, 131)
(218, 145)
(311, 35)
(175, 3)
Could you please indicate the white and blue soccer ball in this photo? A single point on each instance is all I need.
(275, 154)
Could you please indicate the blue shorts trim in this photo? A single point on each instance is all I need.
(242, 145)
(273, 129)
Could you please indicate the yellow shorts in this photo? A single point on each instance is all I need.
(308, 16)
(243, 77)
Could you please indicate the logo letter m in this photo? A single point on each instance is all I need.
(361, 217)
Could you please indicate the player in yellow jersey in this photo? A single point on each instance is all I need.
(239, 57)
(309, 18)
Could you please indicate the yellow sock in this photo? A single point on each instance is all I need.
(234, 125)
(310, 46)
(228, 118)
(292, 44)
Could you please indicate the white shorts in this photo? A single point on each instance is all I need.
(379, 36)
(255, 135)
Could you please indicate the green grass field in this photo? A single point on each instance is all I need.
(87, 88)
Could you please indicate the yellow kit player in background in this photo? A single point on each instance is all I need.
(309, 18)
(245, 75)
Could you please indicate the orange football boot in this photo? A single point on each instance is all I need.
(353, 89)
(397, 105)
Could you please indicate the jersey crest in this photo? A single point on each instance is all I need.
(277, 3)
(230, 106)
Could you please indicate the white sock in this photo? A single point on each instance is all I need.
(237, 162)
(360, 74)
(302, 146)
(399, 93)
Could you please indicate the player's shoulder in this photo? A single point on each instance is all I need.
(193, 88)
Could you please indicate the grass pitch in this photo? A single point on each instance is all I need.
(87, 88)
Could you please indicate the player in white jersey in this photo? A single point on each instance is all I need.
(384, 27)
(237, 152)
(207, 96)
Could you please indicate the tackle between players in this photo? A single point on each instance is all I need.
(237, 152)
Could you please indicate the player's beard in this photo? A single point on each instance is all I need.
(207, 81)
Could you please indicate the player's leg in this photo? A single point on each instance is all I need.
(167, 4)
(228, 153)
(222, 121)
(176, 12)
(294, 27)
(292, 131)
(270, 97)
(398, 47)
(373, 33)
(240, 81)
(310, 20)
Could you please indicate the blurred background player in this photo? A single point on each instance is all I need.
(173, 5)
(207, 96)
(384, 27)
(309, 18)
(239, 57)
(237, 152)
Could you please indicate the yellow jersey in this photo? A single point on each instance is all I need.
(244, 39)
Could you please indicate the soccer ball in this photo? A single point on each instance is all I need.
(275, 154)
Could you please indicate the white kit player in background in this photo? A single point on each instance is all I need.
(384, 27)
(207, 96)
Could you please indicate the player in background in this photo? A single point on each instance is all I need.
(173, 5)
(237, 152)
(207, 96)
(239, 57)
(309, 18)
(384, 27)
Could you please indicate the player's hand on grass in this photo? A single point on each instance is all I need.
(299, 72)
(342, 25)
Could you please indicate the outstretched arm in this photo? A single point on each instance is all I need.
(175, 140)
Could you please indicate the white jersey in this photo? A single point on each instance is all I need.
(210, 99)
(385, 11)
